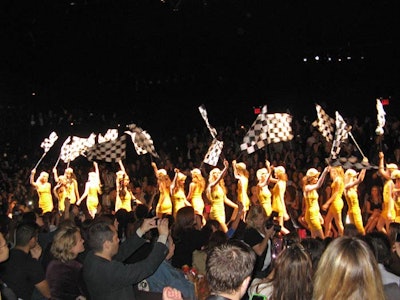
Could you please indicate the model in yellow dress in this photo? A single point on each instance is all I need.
(43, 189)
(178, 195)
(124, 195)
(164, 204)
(396, 194)
(352, 179)
(60, 193)
(312, 182)
(278, 197)
(335, 203)
(242, 175)
(388, 213)
(92, 191)
(216, 194)
(263, 192)
(196, 189)
(71, 184)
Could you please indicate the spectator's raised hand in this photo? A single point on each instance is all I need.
(170, 293)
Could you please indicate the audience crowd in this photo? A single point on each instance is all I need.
(151, 228)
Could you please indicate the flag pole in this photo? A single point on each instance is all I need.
(355, 142)
(43, 155)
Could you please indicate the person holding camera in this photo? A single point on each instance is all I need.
(259, 237)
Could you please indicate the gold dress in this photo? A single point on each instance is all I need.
(123, 201)
(337, 203)
(217, 211)
(70, 187)
(242, 193)
(312, 213)
(164, 204)
(45, 198)
(197, 200)
(264, 196)
(386, 198)
(178, 200)
(278, 203)
(354, 210)
(92, 200)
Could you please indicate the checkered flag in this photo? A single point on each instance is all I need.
(324, 123)
(141, 140)
(49, 142)
(46, 145)
(203, 113)
(380, 117)
(279, 128)
(69, 151)
(267, 129)
(76, 146)
(257, 134)
(341, 134)
(213, 153)
(108, 151)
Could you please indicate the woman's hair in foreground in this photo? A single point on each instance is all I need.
(348, 270)
(64, 240)
(293, 262)
(228, 265)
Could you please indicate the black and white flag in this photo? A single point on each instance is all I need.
(267, 129)
(213, 153)
(203, 113)
(341, 134)
(111, 150)
(324, 123)
(380, 117)
(141, 140)
(49, 142)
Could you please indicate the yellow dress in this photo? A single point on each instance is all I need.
(312, 214)
(71, 192)
(45, 198)
(62, 194)
(164, 205)
(217, 211)
(178, 200)
(354, 210)
(123, 201)
(242, 193)
(337, 203)
(386, 198)
(197, 200)
(278, 203)
(397, 208)
(92, 200)
(264, 196)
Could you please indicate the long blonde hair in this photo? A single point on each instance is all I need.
(348, 270)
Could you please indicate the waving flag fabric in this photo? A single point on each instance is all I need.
(341, 134)
(267, 129)
(142, 140)
(324, 123)
(213, 153)
(111, 150)
(203, 113)
(49, 142)
(380, 117)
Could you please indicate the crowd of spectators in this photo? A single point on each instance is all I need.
(182, 151)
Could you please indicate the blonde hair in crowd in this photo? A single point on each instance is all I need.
(348, 270)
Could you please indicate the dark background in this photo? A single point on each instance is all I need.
(155, 62)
